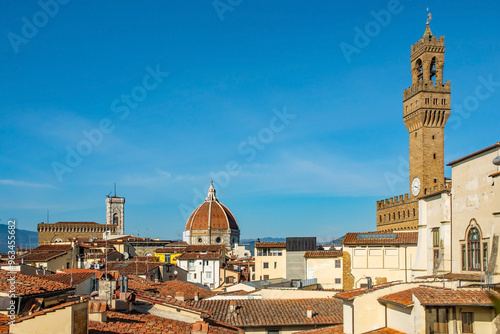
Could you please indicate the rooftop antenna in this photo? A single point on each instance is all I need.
(108, 194)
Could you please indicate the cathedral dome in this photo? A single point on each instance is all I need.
(211, 214)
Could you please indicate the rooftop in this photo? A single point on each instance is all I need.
(274, 312)
(270, 245)
(381, 238)
(69, 279)
(323, 254)
(28, 285)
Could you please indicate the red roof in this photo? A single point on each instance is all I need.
(203, 248)
(47, 310)
(381, 238)
(337, 329)
(351, 294)
(323, 253)
(213, 215)
(384, 330)
(274, 312)
(27, 285)
(67, 278)
(436, 296)
(137, 323)
(270, 245)
(169, 288)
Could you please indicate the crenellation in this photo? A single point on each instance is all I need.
(426, 87)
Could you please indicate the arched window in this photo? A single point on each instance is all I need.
(474, 249)
(433, 70)
(419, 70)
(115, 219)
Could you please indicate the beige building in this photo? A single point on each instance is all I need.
(326, 267)
(475, 198)
(270, 260)
(381, 257)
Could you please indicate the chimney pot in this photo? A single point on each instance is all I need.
(309, 312)
(232, 306)
(196, 296)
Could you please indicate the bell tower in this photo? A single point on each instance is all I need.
(426, 108)
(115, 213)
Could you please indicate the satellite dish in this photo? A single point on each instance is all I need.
(87, 265)
(149, 254)
(176, 272)
(496, 161)
(126, 255)
(90, 240)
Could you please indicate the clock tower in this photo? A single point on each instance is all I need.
(426, 108)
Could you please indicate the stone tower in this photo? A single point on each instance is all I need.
(426, 108)
(115, 213)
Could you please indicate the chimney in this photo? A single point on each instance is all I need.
(97, 311)
(232, 306)
(369, 281)
(125, 284)
(121, 284)
(196, 296)
(309, 312)
(179, 295)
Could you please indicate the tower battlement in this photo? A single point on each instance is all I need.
(392, 201)
(426, 87)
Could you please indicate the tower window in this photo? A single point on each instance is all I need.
(434, 155)
(415, 133)
(443, 101)
(413, 212)
(435, 180)
(433, 137)
(115, 219)
(427, 100)
(435, 101)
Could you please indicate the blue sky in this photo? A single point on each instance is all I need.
(299, 139)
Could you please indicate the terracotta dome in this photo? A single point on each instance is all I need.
(211, 215)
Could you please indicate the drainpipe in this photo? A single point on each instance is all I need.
(454, 310)
(406, 273)
(353, 317)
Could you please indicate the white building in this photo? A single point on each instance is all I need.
(203, 263)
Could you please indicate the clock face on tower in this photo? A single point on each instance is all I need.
(415, 186)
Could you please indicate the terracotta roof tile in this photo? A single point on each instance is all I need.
(274, 312)
(203, 248)
(137, 323)
(402, 298)
(337, 329)
(132, 267)
(371, 238)
(494, 174)
(220, 217)
(323, 253)
(384, 330)
(351, 294)
(51, 309)
(270, 245)
(168, 289)
(170, 250)
(67, 278)
(199, 256)
(28, 285)
(455, 277)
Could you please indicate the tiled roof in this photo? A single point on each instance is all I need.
(48, 310)
(384, 330)
(40, 256)
(337, 329)
(402, 298)
(430, 296)
(169, 288)
(274, 312)
(455, 277)
(351, 294)
(213, 214)
(27, 285)
(132, 267)
(82, 223)
(323, 253)
(137, 323)
(435, 296)
(177, 244)
(155, 299)
(199, 256)
(270, 245)
(401, 238)
(58, 247)
(170, 250)
(203, 248)
(67, 278)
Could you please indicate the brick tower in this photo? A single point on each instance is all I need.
(426, 108)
